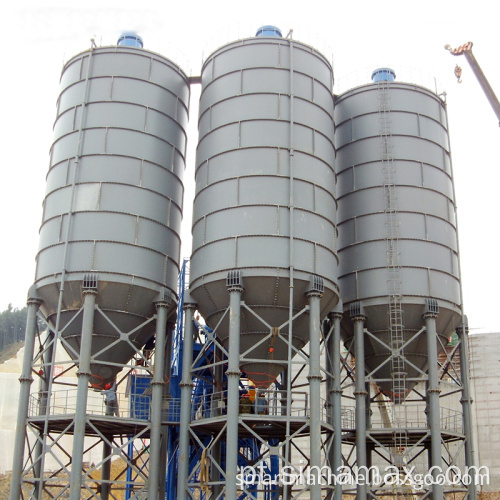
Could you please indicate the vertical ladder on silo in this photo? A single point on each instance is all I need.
(394, 287)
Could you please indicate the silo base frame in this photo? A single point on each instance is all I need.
(402, 436)
(267, 440)
(46, 432)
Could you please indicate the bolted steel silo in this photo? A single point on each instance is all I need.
(114, 196)
(396, 219)
(265, 189)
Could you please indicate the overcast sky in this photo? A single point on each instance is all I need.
(358, 36)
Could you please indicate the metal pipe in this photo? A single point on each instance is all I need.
(314, 379)
(286, 490)
(233, 377)
(186, 386)
(83, 375)
(433, 415)
(24, 396)
(156, 402)
(360, 396)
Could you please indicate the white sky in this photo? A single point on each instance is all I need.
(359, 35)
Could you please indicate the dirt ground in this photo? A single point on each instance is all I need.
(118, 471)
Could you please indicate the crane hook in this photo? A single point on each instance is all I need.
(458, 73)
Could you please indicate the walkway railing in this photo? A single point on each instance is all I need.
(131, 406)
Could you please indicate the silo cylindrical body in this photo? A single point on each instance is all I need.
(396, 219)
(114, 195)
(265, 190)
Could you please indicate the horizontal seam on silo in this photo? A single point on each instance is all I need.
(384, 268)
(401, 238)
(114, 155)
(260, 176)
(113, 183)
(183, 155)
(123, 77)
(273, 120)
(128, 275)
(344, 221)
(250, 236)
(114, 242)
(237, 96)
(396, 186)
(296, 151)
(379, 161)
(127, 214)
(270, 68)
(263, 205)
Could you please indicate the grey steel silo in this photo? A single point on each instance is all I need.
(114, 195)
(397, 228)
(265, 201)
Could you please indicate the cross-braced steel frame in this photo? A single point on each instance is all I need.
(61, 421)
(419, 447)
(225, 453)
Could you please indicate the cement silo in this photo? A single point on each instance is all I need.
(265, 202)
(113, 204)
(397, 228)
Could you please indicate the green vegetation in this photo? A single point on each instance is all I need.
(12, 327)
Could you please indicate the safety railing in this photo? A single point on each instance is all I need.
(130, 406)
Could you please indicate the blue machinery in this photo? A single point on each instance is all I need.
(203, 384)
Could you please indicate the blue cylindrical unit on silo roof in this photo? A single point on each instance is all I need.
(269, 31)
(130, 39)
(383, 75)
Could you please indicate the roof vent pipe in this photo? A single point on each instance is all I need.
(130, 39)
(269, 31)
(383, 75)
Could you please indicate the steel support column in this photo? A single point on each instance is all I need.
(233, 378)
(84, 373)
(433, 391)
(337, 401)
(186, 386)
(24, 395)
(466, 402)
(155, 467)
(314, 379)
(360, 396)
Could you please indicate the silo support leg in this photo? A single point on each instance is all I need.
(466, 407)
(82, 392)
(433, 392)
(24, 396)
(337, 404)
(156, 403)
(233, 378)
(185, 417)
(314, 379)
(360, 396)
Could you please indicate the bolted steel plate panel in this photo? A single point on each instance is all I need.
(114, 195)
(265, 190)
(396, 217)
